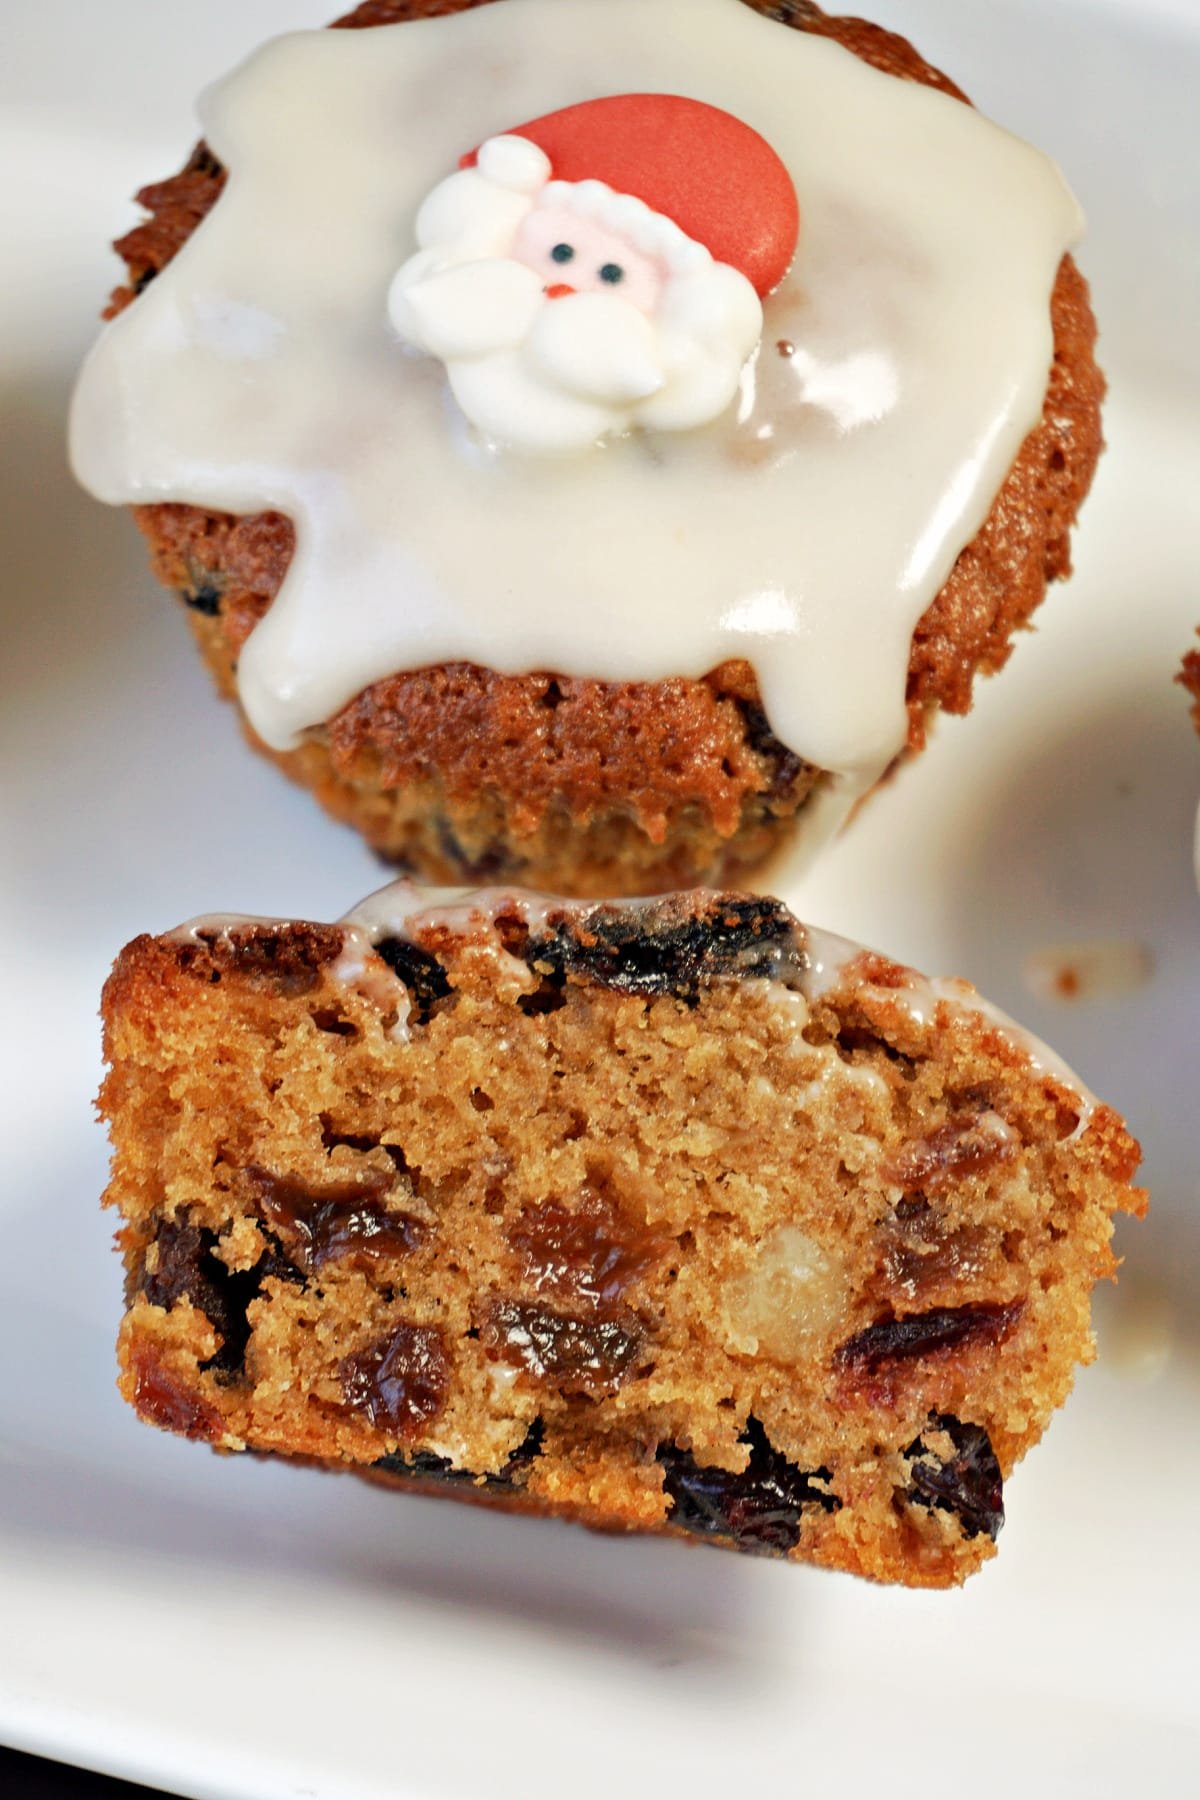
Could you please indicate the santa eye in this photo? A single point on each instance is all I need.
(563, 253)
(612, 272)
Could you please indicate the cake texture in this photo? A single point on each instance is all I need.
(669, 1216)
(458, 772)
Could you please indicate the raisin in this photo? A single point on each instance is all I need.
(967, 1483)
(516, 1469)
(493, 863)
(202, 161)
(177, 1274)
(400, 1380)
(203, 598)
(187, 1267)
(785, 766)
(288, 1204)
(853, 1040)
(421, 973)
(576, 1355)
(963, 1146)
(673, 946)
(363, 1230)
(334, 1023)
(161, 1399)
(922, 1250)
(424, 1465)
(588, 1253)
(548, 997)
(323, 1224)
(927, 1333)
(336, 1140)
(759, 1509)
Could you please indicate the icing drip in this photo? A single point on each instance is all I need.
(807, 529)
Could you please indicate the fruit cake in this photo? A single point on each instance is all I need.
(662, 661)
(664, 1216)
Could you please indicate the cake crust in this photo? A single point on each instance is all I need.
(458, 772)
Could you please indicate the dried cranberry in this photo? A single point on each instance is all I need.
(400, 1380)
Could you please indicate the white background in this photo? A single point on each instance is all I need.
(232, 1629)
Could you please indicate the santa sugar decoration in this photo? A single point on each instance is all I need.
(600, 268)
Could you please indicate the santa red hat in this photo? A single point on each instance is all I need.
(710, 174)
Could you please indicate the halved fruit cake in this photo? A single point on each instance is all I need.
(669, 1215)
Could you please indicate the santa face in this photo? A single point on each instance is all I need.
(575, 254)
(565, 312)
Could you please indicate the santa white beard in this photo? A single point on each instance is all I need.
(549, 374)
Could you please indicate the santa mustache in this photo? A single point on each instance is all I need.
(597, 345)
(593, 346)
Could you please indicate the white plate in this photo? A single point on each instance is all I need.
(227, 1628)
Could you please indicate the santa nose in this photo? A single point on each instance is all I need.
(558, 290)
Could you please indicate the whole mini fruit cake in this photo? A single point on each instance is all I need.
(592, 442)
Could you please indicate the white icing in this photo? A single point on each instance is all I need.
(206, 926)
(358, 967)
(806, 530)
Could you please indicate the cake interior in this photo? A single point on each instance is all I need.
(632, 1219)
